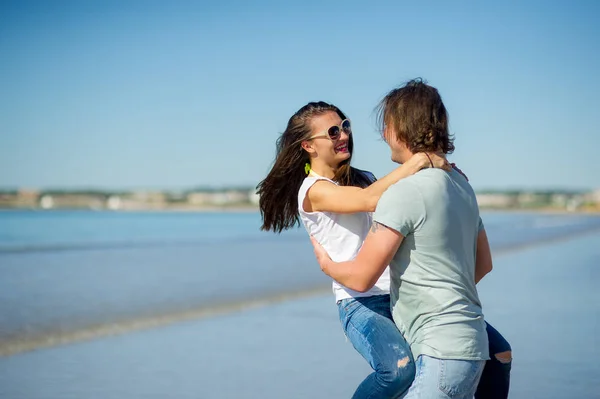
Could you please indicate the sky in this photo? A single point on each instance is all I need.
(181, 94)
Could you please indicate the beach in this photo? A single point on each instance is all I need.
(232, 331)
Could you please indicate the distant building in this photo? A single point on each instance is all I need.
(227, 197)
(495, 200)
(148, 197)
(8, 199)
(114, 202)
(253, 197)
(27, 198)
(237, 196)
(596, 196)
(560, 200)
(529, 199)
(46, 202)
(71, 201)
(199, 198)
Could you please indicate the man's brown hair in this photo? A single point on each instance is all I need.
(417, 116)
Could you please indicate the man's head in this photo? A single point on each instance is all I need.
(413, 119)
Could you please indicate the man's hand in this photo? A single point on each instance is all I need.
(438, 161)
(322, 255)
(424, 160)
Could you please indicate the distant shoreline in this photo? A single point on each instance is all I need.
(255, 209)
(550, 211)
(144, 210)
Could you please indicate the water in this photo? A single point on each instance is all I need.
(546, 301)
(67, 271)
(39, 231)
(27, 231)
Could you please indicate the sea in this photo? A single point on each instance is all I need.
(98, 304)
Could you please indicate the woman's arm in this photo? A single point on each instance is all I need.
(325, 196)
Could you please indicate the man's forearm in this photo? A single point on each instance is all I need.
(350, 274)
(361, 273)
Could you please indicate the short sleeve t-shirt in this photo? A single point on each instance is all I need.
(433, 295)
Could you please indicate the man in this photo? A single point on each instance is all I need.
(427, 228)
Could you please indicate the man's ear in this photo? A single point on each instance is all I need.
(307, 146)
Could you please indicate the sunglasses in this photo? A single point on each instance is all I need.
(334, 132)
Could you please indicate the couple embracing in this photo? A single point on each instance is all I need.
(405, 251)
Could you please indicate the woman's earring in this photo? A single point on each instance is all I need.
(307, 168)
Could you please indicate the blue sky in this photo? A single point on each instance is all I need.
(170, 95)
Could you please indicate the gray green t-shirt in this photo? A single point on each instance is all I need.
(433, 296)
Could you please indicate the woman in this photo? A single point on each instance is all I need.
(312, 180)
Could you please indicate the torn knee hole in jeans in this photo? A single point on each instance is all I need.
(403, 362)
(504, 357)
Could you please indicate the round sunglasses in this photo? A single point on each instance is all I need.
(334, 132)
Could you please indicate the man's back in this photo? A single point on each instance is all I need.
(434, 299)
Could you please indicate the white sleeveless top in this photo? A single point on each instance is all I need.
(342, 236)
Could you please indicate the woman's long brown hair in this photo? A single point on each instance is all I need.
(278, 192)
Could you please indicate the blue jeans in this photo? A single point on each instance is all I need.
(368, 324)
(445, 379)
(495, 380)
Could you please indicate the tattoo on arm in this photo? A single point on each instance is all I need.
(375, 226)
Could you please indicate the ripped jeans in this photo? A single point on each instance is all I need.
(368, 324)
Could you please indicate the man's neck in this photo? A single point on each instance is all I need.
(406, 155)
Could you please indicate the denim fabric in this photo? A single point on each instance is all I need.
(445, 379)
(360, 315)
(367, 322)
(495, 380)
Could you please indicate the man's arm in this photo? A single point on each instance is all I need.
(483, 257)
(361, 273)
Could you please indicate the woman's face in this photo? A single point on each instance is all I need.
(331, 152)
